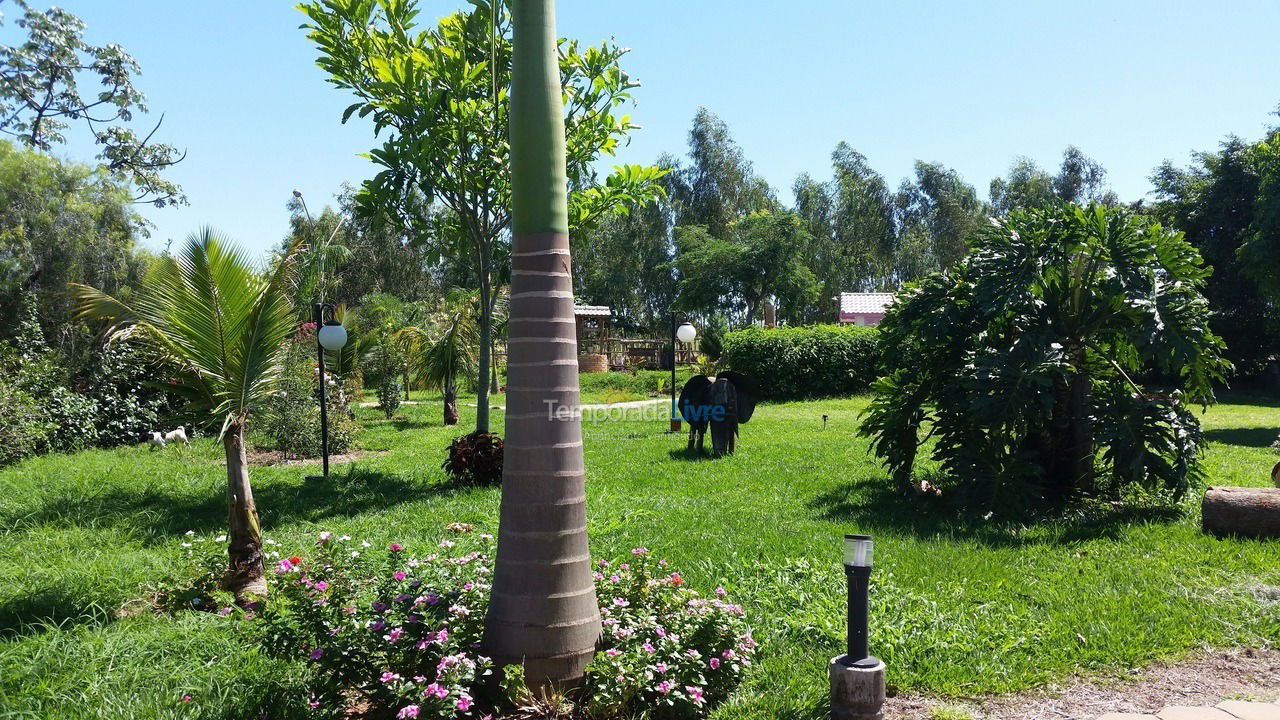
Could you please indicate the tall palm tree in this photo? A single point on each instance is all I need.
(439, 358)
(542, 610)
(224, 325)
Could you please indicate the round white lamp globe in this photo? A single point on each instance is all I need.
(686, 333)
(333, 337)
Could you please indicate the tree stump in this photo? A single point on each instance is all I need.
(1245, 512)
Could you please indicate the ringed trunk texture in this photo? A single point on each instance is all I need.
(1247, 512)
(246, 576)
(543, 611)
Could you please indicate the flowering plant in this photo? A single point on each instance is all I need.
(401, 633)
(665, 649)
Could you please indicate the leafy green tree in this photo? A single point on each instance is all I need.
(850, 219)
(940, 209)
(441, 96)
(62, 222)
(223, 325)
(719, 185)
(760, 260)
(1080, 180)
(1217, 202)
(1260, 252)
(1024, 361)
(542, 607)
(40, 98)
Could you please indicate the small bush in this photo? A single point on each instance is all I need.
(24, 429)
(475, 459)
(803, 362)
(399, 633)
(292, 417)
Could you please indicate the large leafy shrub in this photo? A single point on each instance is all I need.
(805, 361)
(291, 417)
(398, 633)
(1024, 361)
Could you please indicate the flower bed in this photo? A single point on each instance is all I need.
(388, 629)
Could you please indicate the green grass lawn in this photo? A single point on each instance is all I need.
(961, 607)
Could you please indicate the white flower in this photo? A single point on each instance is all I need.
(355, 553)
(190, 533)
(364, 543)
(186, 544)
(344, 538)
(220, 538)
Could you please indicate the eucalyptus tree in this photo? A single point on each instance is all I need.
(441, 95)
(940, 204)
(223, 325)
(1025, 361)
(542, 608)
(40, 98)
(1080, 179)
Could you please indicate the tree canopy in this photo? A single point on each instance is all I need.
(1058, 358)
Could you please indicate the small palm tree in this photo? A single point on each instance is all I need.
(224, 324)
(442, 355)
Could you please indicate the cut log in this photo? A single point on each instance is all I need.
(1243, 511)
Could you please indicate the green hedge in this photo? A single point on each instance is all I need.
(807, 361)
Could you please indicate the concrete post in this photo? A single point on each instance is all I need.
(857, 693)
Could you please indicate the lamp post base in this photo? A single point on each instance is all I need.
(857, 688)
(675, 426)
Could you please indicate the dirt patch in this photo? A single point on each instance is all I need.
(276, 457)
(1201, 679)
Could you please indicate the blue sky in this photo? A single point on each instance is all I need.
(972, 85)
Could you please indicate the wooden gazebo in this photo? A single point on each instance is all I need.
(592, 323)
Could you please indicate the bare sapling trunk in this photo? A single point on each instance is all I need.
(246, 574)
(542, 610)
(485, 360)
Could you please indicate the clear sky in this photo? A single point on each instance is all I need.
(970, 84)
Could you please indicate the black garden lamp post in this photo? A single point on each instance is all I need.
(857, 569)
(684, 332)
(857, 677)
(330, 335)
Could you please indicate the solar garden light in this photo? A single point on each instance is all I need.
(330, 335)
(857, 677)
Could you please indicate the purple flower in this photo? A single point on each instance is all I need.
(640, 551)
(714, 663)
(399, 575)
(395, 547)
(315, 654)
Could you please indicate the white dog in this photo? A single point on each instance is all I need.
(159, 440)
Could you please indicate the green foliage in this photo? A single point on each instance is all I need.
(1080, 179)
(208, 312)
(1021, 361)
(40, 98)
(803, 362)
(474, 459)
(711, 337)
(759, 259)
(1260, 252)
(291, 416)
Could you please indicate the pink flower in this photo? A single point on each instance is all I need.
(720, 591)
(664, 687)
(395, 547)
(614, 578)
(640, 551)
(395, 635)
(661, 667)
(315, 654)
(324, 537)
(695, 694)
(322, 586)
(399, 575)
(660, 631)
(727, 654)
(648, 647)
(620, 602)
(408, 711)
(186, 698)
(464, 702)
(613, 652)
(284, 566)
(389, 677)
(714, 663)
(436, 690)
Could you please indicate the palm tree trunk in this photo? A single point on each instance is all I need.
(542, 611)
(450, 404)
(246, 576)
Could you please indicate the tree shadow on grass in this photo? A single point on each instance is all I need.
(1245, 437)
(684, 454)
(160, 516)
(874, 505)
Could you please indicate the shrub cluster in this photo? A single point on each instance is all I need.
(292, 417)
(399, 633)
(475, 459)
(114, 398)
(802, 362)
